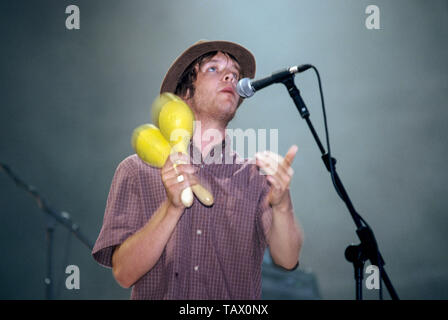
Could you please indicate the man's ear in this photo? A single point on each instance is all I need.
(186, 98)
(188, 94)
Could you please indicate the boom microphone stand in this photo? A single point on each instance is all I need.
(53, 218)
(368, 248)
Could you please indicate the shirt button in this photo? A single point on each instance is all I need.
(196, 268)
(198, 232)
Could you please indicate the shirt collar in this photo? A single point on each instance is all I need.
(220, 153)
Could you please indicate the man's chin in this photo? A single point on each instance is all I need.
(230, 101)
(227, 114)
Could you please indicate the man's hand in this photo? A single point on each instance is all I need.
(279, 174)
(177, 177)
(285, 236)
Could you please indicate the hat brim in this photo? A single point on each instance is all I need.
(244, 57)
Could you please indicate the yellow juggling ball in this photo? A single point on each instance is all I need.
(158, 103)
(153, 145)
(150, 145)
(176, 124)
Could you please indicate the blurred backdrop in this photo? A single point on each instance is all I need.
(70, 100)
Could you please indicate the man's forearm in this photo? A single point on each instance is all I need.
(141, 251)
(285, 236)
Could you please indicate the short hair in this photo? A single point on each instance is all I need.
(188, 77)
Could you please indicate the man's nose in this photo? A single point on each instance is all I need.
(229, 77)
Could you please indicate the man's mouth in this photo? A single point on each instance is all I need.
(228, 90)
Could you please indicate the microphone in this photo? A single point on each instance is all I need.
(246, 87)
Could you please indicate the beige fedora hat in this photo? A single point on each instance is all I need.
(245, 59)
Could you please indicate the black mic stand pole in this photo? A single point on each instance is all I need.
(367, 249)
(53, 216)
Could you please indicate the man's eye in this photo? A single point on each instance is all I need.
(212, 69)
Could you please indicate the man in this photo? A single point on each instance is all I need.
(167, 251)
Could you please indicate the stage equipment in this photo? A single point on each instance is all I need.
(368, 248)
(53, 217)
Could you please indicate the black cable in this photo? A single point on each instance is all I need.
(326, 133)
(380, 265)
(332, 170)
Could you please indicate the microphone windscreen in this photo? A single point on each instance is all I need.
(244, 88)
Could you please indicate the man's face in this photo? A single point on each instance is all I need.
(215, 93)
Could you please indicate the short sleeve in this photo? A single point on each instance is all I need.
(123, 215)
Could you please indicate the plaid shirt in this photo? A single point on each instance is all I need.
(214, 252)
